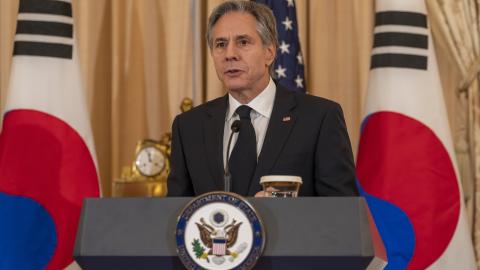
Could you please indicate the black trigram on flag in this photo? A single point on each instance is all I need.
(400, 40)
(44, 28)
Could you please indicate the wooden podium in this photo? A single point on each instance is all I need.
(301, 233)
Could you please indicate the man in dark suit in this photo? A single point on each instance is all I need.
(281, 133)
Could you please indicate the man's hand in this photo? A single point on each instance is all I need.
(260, 194)
(263, 194)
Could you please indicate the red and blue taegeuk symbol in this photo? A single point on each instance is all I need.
(45, 172)
(409, 182)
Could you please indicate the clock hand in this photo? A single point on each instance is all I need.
(149, 156)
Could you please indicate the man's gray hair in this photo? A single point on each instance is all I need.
(266, 25)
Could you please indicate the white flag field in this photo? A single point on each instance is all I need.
(406, 164)
(47, 157)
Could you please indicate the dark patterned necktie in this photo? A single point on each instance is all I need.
(243, 160)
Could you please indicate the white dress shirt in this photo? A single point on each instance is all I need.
(262, 106)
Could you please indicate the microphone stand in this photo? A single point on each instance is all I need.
(227, 177)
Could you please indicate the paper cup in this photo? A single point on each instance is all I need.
(282, 186)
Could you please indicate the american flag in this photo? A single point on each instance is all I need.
(219, 246)
(289, 68)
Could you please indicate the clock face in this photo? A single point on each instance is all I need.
(150, 161)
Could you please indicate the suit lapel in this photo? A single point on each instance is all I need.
(280, 125)
(213, 133)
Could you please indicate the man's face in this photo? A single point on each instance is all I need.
(240, 58)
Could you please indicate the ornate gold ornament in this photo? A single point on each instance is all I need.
(151, 160)
(147, 175)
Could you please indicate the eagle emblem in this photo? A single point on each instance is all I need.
(217, 238)
(219, 230)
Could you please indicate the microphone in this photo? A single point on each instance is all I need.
(227, 177)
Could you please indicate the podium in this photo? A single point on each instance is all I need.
(301, 233)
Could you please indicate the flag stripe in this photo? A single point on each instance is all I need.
(43, 38)
(392, 49)
(44, 18)
(399, 61)
(45, 28)
(401, 29)
(43, 49)
(47, 7)
(401, 18)
(400, 39)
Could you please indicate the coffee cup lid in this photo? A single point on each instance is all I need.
(280, 178)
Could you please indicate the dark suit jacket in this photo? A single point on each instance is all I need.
(313, 144)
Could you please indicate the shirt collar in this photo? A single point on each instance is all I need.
(261, 104)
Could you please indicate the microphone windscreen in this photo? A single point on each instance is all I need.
(236, 126)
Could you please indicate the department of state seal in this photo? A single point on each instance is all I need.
(219, 230)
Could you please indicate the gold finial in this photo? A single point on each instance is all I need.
(187, 104)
